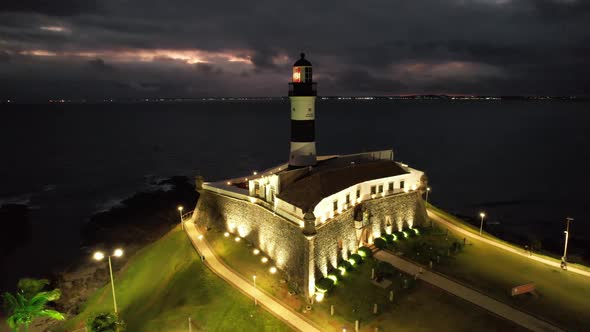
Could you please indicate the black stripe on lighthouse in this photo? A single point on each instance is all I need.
(302, 131)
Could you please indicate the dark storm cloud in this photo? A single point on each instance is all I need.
(234, 47)
(53, 8)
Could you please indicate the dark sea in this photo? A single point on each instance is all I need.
(525, 163)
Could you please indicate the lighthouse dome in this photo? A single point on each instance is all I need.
(302, 62)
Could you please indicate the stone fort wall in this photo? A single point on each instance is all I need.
(277, 237)
(337, 238)
(285, 243)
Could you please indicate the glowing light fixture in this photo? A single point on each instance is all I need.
(264, 260)
(256, 251)
(118, 252)
(273, 270)
(200, 237)
(237, 239)
(98, 256)
(319, 297)
(255, 173)
(226, 234)
(334, 278)
(228, 183)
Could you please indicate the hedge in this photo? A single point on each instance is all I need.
(356, 258)
(380, 243)
(324, 285)
(365, 252)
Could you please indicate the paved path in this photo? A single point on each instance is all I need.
(271, 304)
(466, 293)
(441, 220)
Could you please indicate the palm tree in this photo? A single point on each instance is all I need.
(22, 310)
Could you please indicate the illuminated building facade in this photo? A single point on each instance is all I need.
(314, 211)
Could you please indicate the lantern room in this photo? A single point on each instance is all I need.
(302, 72)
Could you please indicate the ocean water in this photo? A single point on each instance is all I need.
(525, 163)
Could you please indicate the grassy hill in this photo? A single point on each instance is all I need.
(165, 283)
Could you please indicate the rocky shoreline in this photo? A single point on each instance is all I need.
(137, 221)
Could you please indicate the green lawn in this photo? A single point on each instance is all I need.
(421, 307)
(165, 283)
(563, 297)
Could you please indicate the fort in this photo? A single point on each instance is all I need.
(309, 214)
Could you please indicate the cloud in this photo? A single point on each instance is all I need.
(234, 48)
(52, 8)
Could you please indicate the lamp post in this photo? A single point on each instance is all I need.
(99, 256)
(427, 191)
(567, 235)
(180, 208)
(255, 300)
(482, 215)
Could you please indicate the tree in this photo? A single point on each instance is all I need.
(23, 310)
(29, 286)
(104, 322)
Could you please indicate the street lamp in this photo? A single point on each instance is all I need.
(482, 215)
(255, 300)
(180, 208)
(567, 235)
(427, 191)
(100, 256)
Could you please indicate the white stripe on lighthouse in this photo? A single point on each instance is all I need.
(303, 108)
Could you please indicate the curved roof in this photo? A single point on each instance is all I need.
(302, 62)
(334, 175)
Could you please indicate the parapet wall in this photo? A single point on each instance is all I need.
(277, 237)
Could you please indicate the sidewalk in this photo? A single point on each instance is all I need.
(468, 294)
(436, 217)
(274, 306)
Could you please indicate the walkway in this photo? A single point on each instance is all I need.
(443, 221)
(494, 306)
(271, 304)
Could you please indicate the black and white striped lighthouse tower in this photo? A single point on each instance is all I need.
(302, 93)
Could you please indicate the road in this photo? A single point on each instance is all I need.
(443, 221)
(525, 320)
(270, 303)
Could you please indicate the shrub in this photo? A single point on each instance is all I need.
(365, 252)
(324, 285)
(335, 274)
(355, 259)
(345, 265)
(380, 243)
(104, 322)
(389, 238)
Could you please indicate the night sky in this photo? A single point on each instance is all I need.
(191, 48)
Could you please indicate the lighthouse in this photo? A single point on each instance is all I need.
(302, 93)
